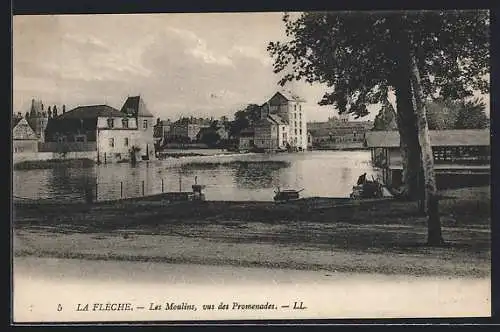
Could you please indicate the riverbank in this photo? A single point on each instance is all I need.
(54, 163)
(383, 237)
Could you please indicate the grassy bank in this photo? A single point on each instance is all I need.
(53, 163)
(384, 237)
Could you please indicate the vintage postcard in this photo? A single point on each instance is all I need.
(251, 166)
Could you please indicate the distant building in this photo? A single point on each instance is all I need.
(187, 128)
(38, 118)
(24, 138)
(338, 133)
(161, 131)
(455, 152)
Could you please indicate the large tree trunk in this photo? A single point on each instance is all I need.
(406, 121)
(434, 235)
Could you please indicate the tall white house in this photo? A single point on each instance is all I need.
(289, 108)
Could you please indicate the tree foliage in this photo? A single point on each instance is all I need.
(385, 119)
(472, 116)
(244, 118)
(446, 114)
(356, 54)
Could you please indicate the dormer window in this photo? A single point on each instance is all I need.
(145, 124)
(111, 123)
(125, 123)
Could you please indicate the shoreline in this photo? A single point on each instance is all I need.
(384, 237)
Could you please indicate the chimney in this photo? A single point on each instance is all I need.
(19, 115)
(55, 110)
(50, 113)
(64, 108)
(42, 106)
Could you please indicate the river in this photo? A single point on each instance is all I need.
(234, 177)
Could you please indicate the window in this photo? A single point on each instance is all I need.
(300, 131)
(295, 123)
(295, 107)
(145, 124)
(111, 123)
(300, 116)
(125, 141)
(300, 107)
(295, 115)
(80, 139)
(111, 142)
(125, 123)
(295, 131)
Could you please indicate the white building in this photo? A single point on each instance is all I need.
(136, 108)
(289, 108)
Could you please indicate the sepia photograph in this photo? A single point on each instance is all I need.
(250, 166)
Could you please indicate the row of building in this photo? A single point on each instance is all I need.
(117, 134)
(110, 134)
(283, 125)
(188, 130)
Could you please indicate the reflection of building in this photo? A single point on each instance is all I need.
(24, 138)
(455, 152)
(338, 133)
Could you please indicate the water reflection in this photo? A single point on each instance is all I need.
(236, 177)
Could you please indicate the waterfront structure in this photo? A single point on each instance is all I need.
(160, 131)
(338, 133)
(271, 133)
(288, 107)
(246, 140)
(100, 128)
(455, 152)
(24, 138)
(135, 107)
(186, 129)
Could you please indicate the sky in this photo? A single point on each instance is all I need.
(199, 64)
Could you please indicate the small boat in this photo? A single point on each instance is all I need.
(286, 195)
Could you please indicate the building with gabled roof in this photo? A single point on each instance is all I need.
(24, 138)
(136, 107)
(288, 108)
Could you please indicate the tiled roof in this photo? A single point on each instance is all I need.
(288, 95)
(90, 112)
(23, 131)
(276, 118)
(135, 106)
(15, 121)
(466, 137)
